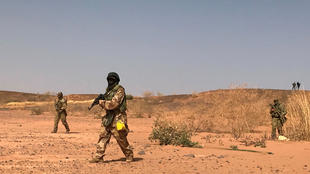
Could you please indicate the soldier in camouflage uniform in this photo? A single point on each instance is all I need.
(115, 106)
(61, 113)
(277, 112)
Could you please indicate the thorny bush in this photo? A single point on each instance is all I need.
(171, 133)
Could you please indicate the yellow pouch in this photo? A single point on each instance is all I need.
(120, 125)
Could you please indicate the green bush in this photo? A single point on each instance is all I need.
(129, 97)
(174, 134)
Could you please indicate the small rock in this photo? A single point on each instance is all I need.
(147, 145)
(190, 155)
(221, 156)
(141, 152)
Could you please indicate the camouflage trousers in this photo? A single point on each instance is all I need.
(276, 124)
(61, 116)
(104, 139)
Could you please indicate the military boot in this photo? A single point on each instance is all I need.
(96, 160)
(129, 158)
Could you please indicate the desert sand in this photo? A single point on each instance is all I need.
(27, 146)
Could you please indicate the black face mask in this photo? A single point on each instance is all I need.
(112, 82)
(59, 95)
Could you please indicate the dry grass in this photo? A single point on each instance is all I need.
(256, 142)
(235, 111)
(297, 126)
(147, 94)
(36, 111)
(140, 108)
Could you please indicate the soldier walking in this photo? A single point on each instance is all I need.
(61, 113)
(294, 86)
(115, 120)
(298, 85)
(277, 112)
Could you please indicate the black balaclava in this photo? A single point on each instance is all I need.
(59, 95)
(113, 80)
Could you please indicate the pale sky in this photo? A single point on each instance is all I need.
(166, 46)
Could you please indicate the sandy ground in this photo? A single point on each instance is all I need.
(27, 146)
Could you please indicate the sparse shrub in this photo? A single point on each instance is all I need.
(36, 111)
(148, 94)
(194, 94)
(208, 138)
(249, 141)
(236, 133)
(297, 126)
(159, 94)
(139, 115)
(140, 107)
(235, 85)
(169, 133)
(238, 129)
(260, 142)
(50, 93)
(129, 97)
(234, 147)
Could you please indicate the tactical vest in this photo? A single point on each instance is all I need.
(110, 94)
(59, 104)
(277, 111)
(121, 108)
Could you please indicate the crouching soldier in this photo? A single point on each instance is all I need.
(115, 121)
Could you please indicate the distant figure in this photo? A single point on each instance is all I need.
(277, 112)
(114, 123)
(61, 113)
(298, 85)
(294, 86)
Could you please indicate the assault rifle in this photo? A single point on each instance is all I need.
(96, 101)
(279, 113)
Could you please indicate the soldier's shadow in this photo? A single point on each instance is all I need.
(74, 132)
(123, 160)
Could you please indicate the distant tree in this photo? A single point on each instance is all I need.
(147, 94)
(159, 94)
(129, 97)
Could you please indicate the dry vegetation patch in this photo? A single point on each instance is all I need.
(297, 126)
(168, 132)
(234, 111)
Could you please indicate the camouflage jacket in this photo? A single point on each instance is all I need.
(61, 105)
(115, 106)
(277, 111)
